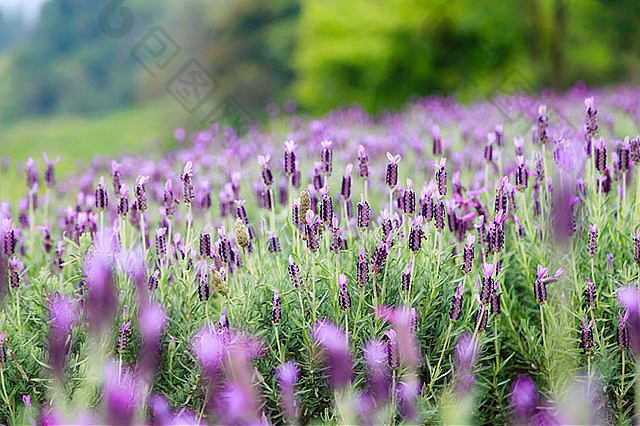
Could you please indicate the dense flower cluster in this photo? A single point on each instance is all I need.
(315, 254)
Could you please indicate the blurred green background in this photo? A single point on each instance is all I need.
(68, 88)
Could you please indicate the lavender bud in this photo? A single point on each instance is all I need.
(362, 270)
(346, 183)
(391, 176)
(500, 204)
(363, 163)
(294, 274)
(409, 199)
(115, 177)
(296, 179)
(467, 254)
(276, 313)
(363, 213)
(326, 206)
(3, 351)
(593, 239)
(161, 243)
(141, 196)
(125, 334)
(123, 203)
(456, 304)
(102, 200)
(543, 122)
(202, 278)
(205, 244)
(153, 280)
(590, 293)
(187, 183)
(600, 152)
(624, 154)
(586, 336)
(439, 215)
(539, 168)
(295, 214)
(488, 148)
(635, 149)
(437, 141)
(273, 244)
(49, 174)
(622, 333)
(415, 235)
(289, 157)
(267, 176)
(441, 177)
(488, 283)
(344, 299)
(495, 302)
(327, 157)
(481, 319)
(15, 271)
(540, 285)
(393, 350)
(591, 112)
(318, 178)
(311, 232)
(379, 257)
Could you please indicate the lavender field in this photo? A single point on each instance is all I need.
(441, 264)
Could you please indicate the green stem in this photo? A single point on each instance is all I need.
(544, 338)
(6, 396)
(444, 348)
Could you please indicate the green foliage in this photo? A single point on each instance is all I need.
(380, 53)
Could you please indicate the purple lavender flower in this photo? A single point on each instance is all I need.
(586, 336)
(343, 293)
(267, 176)
(441, 177)
(15, 271)
(468, 253)
(591, 112)
(375, 354)
(600, 152)
(456, 304)
(339, 361)
(326, 157)
(289, 165)
(363, 162)
(141, 192)
(346, 183)
(102, 200)
(101, 302)
(589, 293)
(294, 273)
(152, 320)
(524, 397)
(276, 312)
(120, 396)
(287, 375)
(187, 183)
(3, 351)
(62, 314)
(391, 177)
(50, 174)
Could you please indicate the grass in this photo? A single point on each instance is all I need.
(81, 138)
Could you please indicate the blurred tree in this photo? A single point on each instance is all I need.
(68, 65)
(378, 52)
(250, 49)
